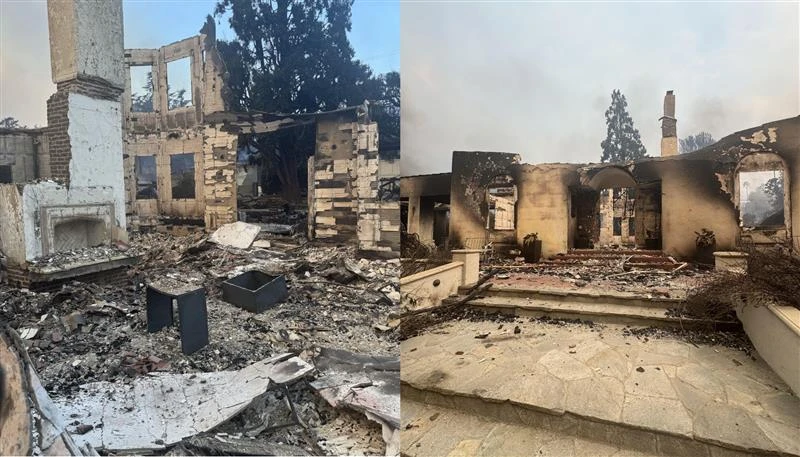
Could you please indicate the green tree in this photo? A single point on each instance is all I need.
(293, 56)
(386, 112)
(695, 142)
(142, 102)
(622, 143)
(10, 123)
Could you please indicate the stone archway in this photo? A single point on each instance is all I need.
(761, 185)
(612, 208)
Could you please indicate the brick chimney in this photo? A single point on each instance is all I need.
(669, 129)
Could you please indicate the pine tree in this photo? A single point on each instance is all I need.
(622, 143)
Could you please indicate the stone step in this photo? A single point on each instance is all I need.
(649, 265)
(600, 312)
(616, 252)
(579, 296)
(433, 431)
(450, 424)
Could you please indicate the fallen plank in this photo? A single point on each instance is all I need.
(159, 410)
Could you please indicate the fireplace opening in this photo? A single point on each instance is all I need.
(79, 233)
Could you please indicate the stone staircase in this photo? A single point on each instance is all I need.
(607, 307)
(524, 387)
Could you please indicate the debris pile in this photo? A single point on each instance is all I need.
(88, 334)
(598, 275)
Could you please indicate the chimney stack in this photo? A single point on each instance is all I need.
(669, 129)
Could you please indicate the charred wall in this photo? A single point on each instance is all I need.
(700, 189)
(178, 141)
(691, 199)
(350, 195)
(421, 193)
(471, 174)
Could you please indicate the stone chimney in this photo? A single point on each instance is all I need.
(669, 129)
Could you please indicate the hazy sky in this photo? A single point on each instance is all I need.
(25, 81)
(536, 79)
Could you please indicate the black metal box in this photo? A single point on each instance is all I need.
(255, 291)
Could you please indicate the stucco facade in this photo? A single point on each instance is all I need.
(676, 196)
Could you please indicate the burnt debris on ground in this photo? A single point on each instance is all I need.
(86, 333)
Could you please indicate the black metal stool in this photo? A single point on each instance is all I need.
(192, 315)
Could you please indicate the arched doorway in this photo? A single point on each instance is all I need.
(612, 209)
(761, 198)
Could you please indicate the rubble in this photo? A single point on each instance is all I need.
(598, 276)
(208, 444)
(88, 333)
(92, 254)
(365, 383)
(30, 423)
(238, 235)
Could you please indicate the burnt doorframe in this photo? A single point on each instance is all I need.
(647, 211)
(583, 208)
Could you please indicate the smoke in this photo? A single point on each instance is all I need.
(536, 79)
(25, 82)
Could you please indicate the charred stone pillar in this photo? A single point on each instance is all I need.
(86, 56)
(85, 114)
(669, 127)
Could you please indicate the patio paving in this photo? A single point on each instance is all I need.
(668, 392)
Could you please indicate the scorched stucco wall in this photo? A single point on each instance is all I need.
(692, 199)
(544, 204)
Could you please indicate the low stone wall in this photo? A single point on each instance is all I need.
(428, 288)
(775, 332)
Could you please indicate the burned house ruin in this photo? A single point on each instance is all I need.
(184, 165)
(743, 188)
(117, 157)
(111, 282)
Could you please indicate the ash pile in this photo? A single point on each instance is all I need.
(310, 384)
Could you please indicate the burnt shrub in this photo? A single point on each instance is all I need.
(773, 275)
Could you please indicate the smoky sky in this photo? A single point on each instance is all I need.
(536, 78)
